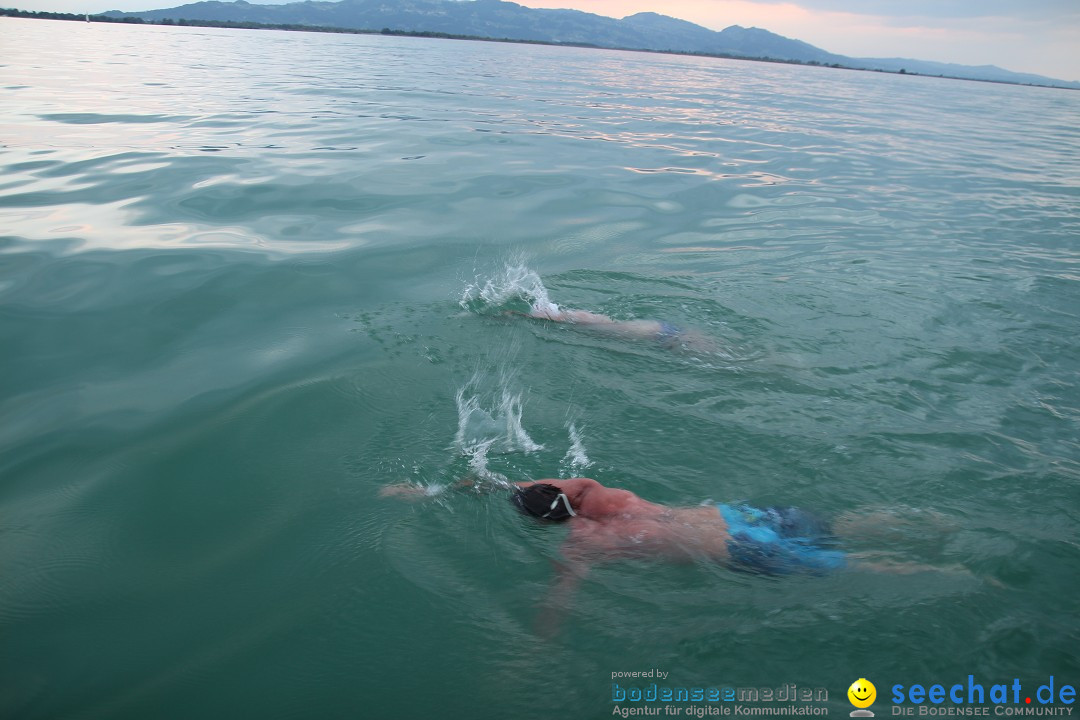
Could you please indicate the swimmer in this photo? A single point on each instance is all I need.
(608, 523)
(663, 333)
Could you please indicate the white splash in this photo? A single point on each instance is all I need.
(478, 462)
(575, 459)
(516, 281)
(496, 427)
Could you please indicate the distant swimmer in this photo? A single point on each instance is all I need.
(666, 334)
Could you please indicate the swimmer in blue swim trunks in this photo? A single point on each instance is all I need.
(607, 524)
(611, 523)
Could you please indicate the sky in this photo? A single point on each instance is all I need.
(1038, 36)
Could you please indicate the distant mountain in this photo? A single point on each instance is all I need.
(498, 19)
(973, 72)
(508, 20)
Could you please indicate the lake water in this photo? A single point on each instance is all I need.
(248, 279)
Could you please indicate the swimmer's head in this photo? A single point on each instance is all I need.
(543, 501)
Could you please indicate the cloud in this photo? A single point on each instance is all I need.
(1025, 44)
(1048, 10)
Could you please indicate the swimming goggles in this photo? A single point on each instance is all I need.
(555, 503)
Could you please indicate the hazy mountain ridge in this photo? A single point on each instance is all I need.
(508, 20)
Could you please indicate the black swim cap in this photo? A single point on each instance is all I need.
(543, 501)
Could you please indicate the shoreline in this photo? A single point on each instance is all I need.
(292, 27)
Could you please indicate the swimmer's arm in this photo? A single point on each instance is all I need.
(638, 329)
(413, 491)
(557, 602)
(584, 317)
(410, 491)
(575, 317)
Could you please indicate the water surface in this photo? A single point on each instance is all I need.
(248, 279)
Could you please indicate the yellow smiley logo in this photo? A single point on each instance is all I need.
(862, 693)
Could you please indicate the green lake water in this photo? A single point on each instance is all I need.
(248, 279)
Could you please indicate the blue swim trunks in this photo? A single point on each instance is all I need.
(779, 541)
(668, 334)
